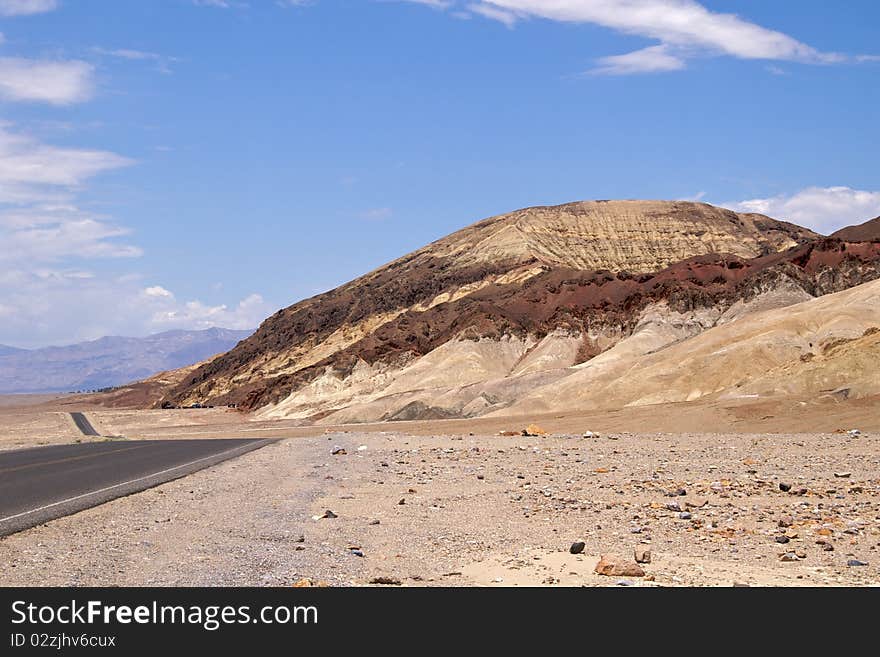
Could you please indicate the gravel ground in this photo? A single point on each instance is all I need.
(485, 510)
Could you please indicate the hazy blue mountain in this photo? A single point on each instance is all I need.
(108, 361)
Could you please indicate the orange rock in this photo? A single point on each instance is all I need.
(614, 566)
(534, 430)
(601, 470)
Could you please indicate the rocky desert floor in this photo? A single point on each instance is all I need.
(436, 504)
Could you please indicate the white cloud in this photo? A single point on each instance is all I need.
(494, 13)
(158, 291)
(248, 313)
(57, 83)
(33, 171)
(58, 234)
(377, 214)
(222, 4)
(652, 59)
(824, 209)
(26, 7)
(162, 62)
(65, 305)
(683, 28)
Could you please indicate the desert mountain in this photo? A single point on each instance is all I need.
(109, 361)
(468, 324)
(866, 232)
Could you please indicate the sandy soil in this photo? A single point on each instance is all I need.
(483, 510)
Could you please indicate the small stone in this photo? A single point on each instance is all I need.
(303, 583)
(854, 432)
(402, 501)
(614, 566)
(590, 434)
(642, 555)
(786, 521)
(374, 522)
(684, 515)
(624, 582)
(481, 477)
(855, 563)
(385, 581)
(782, 539)
(329, 514)
(577, 547)
(357, 553)
(533, 430)
(675, 506)
(788, 557)
(740, 585)
(338, 451)
(784, 487)
(843, 475)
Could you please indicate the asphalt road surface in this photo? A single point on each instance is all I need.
(39, 484)
(83, 424)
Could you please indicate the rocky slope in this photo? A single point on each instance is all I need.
(866, 232)
(109, 361)
(523, 293)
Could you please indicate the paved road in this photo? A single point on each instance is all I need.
(83, 424)
(39, 484)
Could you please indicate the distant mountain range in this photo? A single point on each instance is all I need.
(108, 361)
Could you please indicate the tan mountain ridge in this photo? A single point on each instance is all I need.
(477, 322)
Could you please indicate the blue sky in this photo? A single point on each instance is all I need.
(187, 163)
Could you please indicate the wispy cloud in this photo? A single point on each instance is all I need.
(31, 171)
(377, 214)
(54, 82)
(163, 62)
(49, 245)
(824, 209)
(685, 29)
(26, 7)
(652, 59)
(222, 4)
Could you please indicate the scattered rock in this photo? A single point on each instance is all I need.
(642, 555)
(685, 515)
(329, 514)
(613, 566)
(402, 501)
(339, 451)
(357, 552)
(675, 506)
(784, 487)
(788, 557)
(577, 547)
(782, 539)
(855, 563)
(786, 521)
